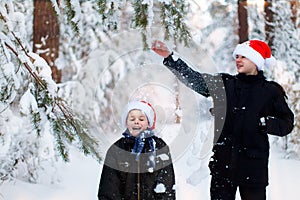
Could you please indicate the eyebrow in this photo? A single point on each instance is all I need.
(142, 116)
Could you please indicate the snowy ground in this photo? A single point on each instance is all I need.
(79, 180)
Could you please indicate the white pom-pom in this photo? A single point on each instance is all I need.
(270, 62)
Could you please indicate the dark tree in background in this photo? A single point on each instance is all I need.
(295, 6)
(243, 21)
(46, 35)
(269, 27)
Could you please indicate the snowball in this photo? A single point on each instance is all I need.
(163, 156)
(160, 188)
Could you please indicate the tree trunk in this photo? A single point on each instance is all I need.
(46, 35)
(243, 21)
(295, 6)
(177, 103)
(269, 27)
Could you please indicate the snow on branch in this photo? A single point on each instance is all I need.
(66, 126)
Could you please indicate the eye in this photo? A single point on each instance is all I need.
(239, 56)
(131, 119)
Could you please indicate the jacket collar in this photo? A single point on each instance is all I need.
(251, 78)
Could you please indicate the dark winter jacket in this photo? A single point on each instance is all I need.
(241, 146)
(125, 178)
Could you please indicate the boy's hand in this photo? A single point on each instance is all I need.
(160, 48)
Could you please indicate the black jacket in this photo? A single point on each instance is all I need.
(125, 178)
(241, 146)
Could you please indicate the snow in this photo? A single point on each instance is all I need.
(44, 72)
(79, 180)
(296, 87)
(160, 188)
(28, 103)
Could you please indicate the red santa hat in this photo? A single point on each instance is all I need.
(257, 51)
(143, 106)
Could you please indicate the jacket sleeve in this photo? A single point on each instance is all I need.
(110, 184)
(282, 122)
(187, 75)
(207, 85)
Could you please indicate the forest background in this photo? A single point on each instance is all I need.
(68, 67)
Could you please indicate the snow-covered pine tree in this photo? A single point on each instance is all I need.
(286, 48)
(32, 97)
(286, 43)
(173, 16)
(172, 12)
(292, 144)
(217, 38)
(29, 97)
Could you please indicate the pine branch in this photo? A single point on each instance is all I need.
(65, 125)
(107, 13)
(173, 16)
(70, 15)
(33, 74)
(140, 14)
(60, 145)
(36, 120)
(87, 143)
(6, 89)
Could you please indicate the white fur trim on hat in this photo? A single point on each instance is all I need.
(245, 50)
(138, 105)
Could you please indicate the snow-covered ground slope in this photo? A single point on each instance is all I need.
(79, 178)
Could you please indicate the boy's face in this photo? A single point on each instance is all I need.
(245, 66)
(136, 122)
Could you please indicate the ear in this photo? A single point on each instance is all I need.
(126, 124)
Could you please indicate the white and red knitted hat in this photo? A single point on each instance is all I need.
(257, 51)
(143, 106)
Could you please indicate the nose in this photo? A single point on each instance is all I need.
(238, 60)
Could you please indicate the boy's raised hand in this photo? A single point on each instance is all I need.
(160, 48)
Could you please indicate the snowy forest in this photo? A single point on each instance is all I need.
(68, 67)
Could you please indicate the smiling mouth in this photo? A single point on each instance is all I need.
(136, 129)
(239, 66)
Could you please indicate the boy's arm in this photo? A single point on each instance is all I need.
(110, 184)
(191, 78)
(281, 123)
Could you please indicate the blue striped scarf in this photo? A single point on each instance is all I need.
(140, 143)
